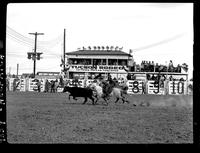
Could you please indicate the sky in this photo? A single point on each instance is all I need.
(157, 32)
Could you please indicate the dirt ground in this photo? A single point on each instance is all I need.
(51, 118)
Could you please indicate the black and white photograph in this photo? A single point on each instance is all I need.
(99, 73)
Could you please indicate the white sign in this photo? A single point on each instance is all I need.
(134, 86)
(177, 87)
(97, 68)
(154, 88)
(33, 85)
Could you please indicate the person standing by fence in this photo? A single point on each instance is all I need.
(52, 86)
(39, 85)
(166, 86)
(14, 84)
(47, 84)
(144, 86)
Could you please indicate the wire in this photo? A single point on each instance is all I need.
(47, 44)
(16, 34)
(159, 43)
(19, 41)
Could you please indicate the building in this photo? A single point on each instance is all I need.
(100, 61)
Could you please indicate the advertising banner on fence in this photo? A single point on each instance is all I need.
(155, 88)
(33, 85)
(177, 87)
(22, 85)
(134, 86)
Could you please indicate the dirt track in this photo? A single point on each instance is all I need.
(51, 118)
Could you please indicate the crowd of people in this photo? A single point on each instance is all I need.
(150, 66)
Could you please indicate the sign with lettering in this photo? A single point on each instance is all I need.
(33, 85)
(177, 87)
(72, 83)
(14, 84)
(156, 88)
(134, 87)
(23, 85)
(97, 68)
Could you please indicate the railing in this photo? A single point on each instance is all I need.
(134, 86)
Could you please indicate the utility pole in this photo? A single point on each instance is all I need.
(17, 69)
(64, 51)
(9, 70)
(34, 54)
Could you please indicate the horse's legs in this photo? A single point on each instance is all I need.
(92, 100)
(74, 98)
(117, 100)
(123, 99)
(69, 96)
(105, 100)
(85, 100)
(96, 99)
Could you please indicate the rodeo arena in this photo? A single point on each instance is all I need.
(101, 95)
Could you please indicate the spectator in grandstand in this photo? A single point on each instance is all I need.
(171, 78)
(179, 68)
(153, 77)
(171, 67)
(128, 76)
(156, 67)
(181, 79)
(142, 66)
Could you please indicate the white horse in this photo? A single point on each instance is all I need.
(99, 91)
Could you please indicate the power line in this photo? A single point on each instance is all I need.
(18, 40)
(28, 40)
(42, 45)
(158, 43)
(13, 32)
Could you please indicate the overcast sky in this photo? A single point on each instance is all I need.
(155, 31)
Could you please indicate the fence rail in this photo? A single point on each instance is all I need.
(134, 86)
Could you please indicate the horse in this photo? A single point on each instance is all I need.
(113, 88)
(79, 92)
(106, 90)
(98, 92)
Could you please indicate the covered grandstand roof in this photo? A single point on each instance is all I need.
(98, 52)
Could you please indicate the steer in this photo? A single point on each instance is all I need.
(79, 92)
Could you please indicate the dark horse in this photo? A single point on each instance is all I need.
(113, 87)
